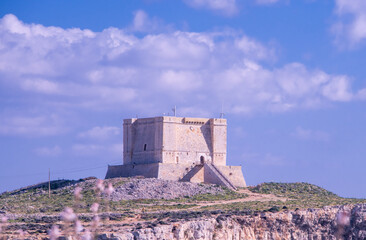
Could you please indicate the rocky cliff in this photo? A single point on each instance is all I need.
(345, 222)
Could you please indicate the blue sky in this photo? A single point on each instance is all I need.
(289, 74)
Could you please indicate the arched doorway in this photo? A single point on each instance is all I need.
(202, 160)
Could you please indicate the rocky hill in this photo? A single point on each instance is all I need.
(136, 208)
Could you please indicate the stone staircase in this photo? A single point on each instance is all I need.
(190, 174)
(221, 177)
(212, 175)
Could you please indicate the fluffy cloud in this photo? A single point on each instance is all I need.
(101, 133)
(142, 22)
(40, 85)
(32, 126)
(350, 28)
(281, 89)
(74, 70)
(226, 7)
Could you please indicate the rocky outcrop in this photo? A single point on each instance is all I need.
(152, 188)
(338, 222)
(346, 222)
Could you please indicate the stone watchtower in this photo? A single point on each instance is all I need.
(176, 148)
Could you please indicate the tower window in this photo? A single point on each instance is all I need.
(145, 147)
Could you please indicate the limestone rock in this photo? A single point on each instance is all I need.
(301, 224)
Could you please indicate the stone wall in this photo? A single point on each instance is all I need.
(147, 170)
(142, 140)
(172, 171)
(186, 142)
(234, 174)
(174, 140)
(150, 170)
(177, 172)
(219, 141)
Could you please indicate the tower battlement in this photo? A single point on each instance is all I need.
(172, 143)
(174, 140)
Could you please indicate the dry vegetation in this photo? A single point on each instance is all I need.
(84, 207)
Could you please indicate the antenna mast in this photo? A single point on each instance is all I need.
(175, 111)
(49, 183)
(222, 114)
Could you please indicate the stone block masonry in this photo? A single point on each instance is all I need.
(171, 147)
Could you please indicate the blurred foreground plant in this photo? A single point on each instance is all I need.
(71, 226)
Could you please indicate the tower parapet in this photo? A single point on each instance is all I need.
(169, 147)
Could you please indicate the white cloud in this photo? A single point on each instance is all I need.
(282, 89)
(69, 70)
(101, 133)
(307, 134)
(48, 151)
(142, 22)
(40, 85)
(180, 80)
(350, 27)
(361, 94)
(254, 49)
(338, 89)
(31, 126)
(226, 7)
(114, 150)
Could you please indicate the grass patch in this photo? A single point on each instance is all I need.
(292, 190)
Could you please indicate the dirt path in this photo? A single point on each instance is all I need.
(260, 197)
(250, 198)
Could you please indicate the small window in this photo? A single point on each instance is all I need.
(177, 159)
(145, 147)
